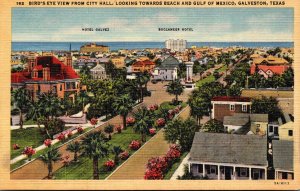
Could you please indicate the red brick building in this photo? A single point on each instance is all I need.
(47, 73)
(228, 105)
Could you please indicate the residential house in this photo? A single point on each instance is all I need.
(283, 159)
(228, 105)
(118, 61)
(143, 66)
(246, 123)
(167, 70)
(269, 66)
(98, 72)
(221, 156)
(47, 73)
(282, 129)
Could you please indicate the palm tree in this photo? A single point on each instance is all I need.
(21, 98)
(143, 122)
(175, 88)
(141, 80)
(198, 107)
(83, 98)
(74, 147)
(35, 111)
(117, 150)
(50, 157)
(52, 105)
(109, 129)
(95, 147)
(123, 106)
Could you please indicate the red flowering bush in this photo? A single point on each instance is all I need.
(160, 122)
(66, 160)
(61, 137)
(94, 121)
(47, 142)
(170, 116)
(135, 145)
(130, 120)
(153, 174)
(176, 110)
(16, 146)
(110, 164)
(153, 107)
(79, 130)
(124, 155)
(29, 151)
(118, 128)
(173, 154)
(171, 112)
(152, 131)
(69, 134)
(157, 166)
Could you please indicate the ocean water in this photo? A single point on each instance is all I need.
(48, 46)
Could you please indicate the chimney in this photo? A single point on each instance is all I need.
(31, 63)
(34, 73)
(46, 74)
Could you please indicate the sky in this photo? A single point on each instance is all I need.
(141, 24)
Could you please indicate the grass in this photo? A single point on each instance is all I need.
(38, 153)
(210, 78)
(174, 167)
(222, 69)
(84, 168)
(25, 137)
(29, 122)
(169, 105)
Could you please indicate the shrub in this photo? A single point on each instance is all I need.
(94, 121)
(48, 142)
(153, 174)
(29, 151)
(152, 131)
(61, 137)
(66, 160)
(135, 145)
(160, 122)
(109, 165)
(80, 130)
(118, 128)
(124, 155)
(153, 107)
(130, 120)
(69, 134)
(16, 146)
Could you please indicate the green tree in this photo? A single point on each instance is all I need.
(48, 158)
(123, 105)
(175, 88)
(288, 77)
(35, 111)
(85, 71)
(117, 150)
(182, 132)
(95, 147)
(83, 99)
(266, 106)
(74, 147)
(52, 104)
(143, 122)
(199, 107)
(21, 99)
(213, 126)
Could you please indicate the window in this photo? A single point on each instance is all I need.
(284, 175)
(243, 172)
(232, 107)
(213, 169)
(244, 108)
(257, 125)
(200, 168)
(290, 132)
(271, 129)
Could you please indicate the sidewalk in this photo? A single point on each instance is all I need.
(180, 170)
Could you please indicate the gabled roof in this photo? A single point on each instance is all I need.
(283, 154)
(231, 99)
(280, 69)
(270, 60)
(169, 63)
(229, 148)
(98, 67)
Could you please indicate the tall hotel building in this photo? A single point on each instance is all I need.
(176, 45)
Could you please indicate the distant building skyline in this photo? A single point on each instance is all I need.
(142, 24)
(176, 44)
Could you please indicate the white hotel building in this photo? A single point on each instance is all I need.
(176, 45)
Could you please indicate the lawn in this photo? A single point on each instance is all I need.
(222, 69)
(29, 122)
(28, 141)
(25, 137)
(174, 167)
(210, 78)
(84, 170)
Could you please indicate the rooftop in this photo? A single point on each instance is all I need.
(229, 148)
(231, 98)
(283, 154)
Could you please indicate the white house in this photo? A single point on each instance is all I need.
(167, 70)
